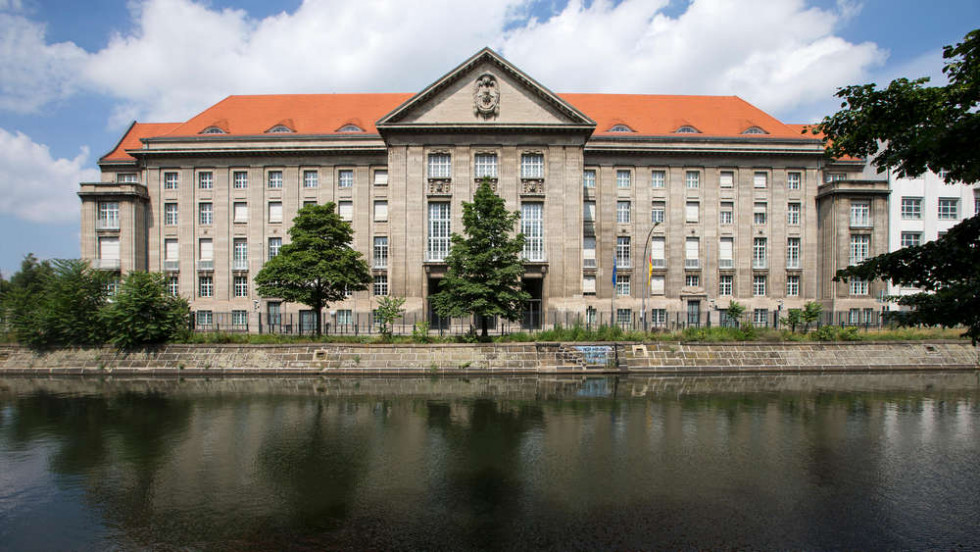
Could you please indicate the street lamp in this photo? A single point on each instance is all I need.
(646, 288)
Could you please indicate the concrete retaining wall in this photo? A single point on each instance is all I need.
(503, 358)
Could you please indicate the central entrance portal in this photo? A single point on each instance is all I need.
(532, 313)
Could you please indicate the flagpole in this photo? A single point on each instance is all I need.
(646, 288)
(612, 301)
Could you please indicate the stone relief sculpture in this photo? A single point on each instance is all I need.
(486, 97)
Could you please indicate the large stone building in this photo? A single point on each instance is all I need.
(722, 200)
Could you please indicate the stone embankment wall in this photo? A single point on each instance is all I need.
(498, 358)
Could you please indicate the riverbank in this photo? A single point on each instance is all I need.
(497, 358)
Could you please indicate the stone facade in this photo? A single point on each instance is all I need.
(737, 205)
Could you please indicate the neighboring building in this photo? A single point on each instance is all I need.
(923, 208)
(733, 200)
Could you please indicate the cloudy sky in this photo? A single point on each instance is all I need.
(74, 74)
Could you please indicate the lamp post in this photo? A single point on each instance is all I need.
(646, 288)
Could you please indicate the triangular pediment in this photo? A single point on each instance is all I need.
(486, 91)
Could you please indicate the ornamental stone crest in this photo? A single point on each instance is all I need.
(486, 96)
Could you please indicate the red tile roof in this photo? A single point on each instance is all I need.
(131, 140)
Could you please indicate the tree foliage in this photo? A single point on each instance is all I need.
(318, 266)
(484, 268)
(910, 128)
(143, 313)
(389, 309)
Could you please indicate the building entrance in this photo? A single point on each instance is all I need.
(532, 313)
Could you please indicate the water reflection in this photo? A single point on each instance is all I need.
(808, 461)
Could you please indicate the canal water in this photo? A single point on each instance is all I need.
(869, 461)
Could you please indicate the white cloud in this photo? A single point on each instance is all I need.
(35, 186)
(181, 56)
(34, 72)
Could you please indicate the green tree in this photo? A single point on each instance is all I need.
(910, 128)
(811, 313)
(143, 312)
(794, 317)
(734, 312)
(484, 267)
(389, 308)
(318, 266)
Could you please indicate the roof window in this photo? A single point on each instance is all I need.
(687, 129)
(280, 129)
(213, 130)
(350, 127)
(620, 128)
(754, 130)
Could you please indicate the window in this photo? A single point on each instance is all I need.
(205, 180)
(206, 213)
(622, 179)
(240, 211)
(274, 313)
(345, 317)
(205, 254)
(170, 214)
(793, 180)
(622, 284)
(309, 203)
(346, 210)
(239, 318)
(687, 129)
(854, 317)
(588, 284)
(109, 252)
(692, 280)
(912, 208)
(381, 210)
(759, 212)
(240, 254)
(792, 285)
(726, 284)
(793, 214)
(311, 179)
(624, 317)
(205, 286)
(381, 177)
(726, 213)
(588, 252)
(658, 179)
(691, 211)
(381, 284)
(275, 179)
(759, 285)
(759, 180)
(858, 286)
(691, 253)
(624, 250)
(440, 165)
(760, 318)
(275, 244)
(911, 239)
(588, 178)
(128, 178)
(658, 317)
(860, 248)
(108, 216)
(793, 253)
(725, 253)
(532, 165)
(532, 226)
(657, 284)
(727, 179)
(438, 246)
(588, 212)
(976, 202)
(948, 208)
(171, 254)
(239, 180)
(173, 286)
(381, 252)
(759, 253)
(860, 213)
(834, 177)
(754, 130)
(623, 212)
(241, 286)
(345, 178)
(657, 212)
(169, 181)
(204, 318)
(692, 179)
(658, 257)
(275, 211)
(485, 165)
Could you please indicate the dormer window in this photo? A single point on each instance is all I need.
(620, 128)
(754, 130)
(350, 128)
(280, 129)
(213, 130)
(687, 129)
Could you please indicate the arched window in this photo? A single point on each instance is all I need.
(213, 130)
(687, 129)
(280, 129)
(620, 128)
(754, 130)
(350, 127)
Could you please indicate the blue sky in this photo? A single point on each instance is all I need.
(76, 73)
